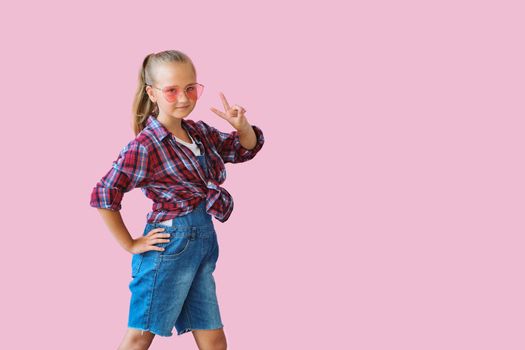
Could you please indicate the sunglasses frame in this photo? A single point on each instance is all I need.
(185, 90)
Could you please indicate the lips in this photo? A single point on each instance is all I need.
(182, 107)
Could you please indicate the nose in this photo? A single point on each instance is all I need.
(182, 99)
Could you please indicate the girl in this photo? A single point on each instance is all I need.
(179, 164)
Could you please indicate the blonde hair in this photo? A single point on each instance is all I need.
(142, 106)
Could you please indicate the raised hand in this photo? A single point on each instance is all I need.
(233, 115)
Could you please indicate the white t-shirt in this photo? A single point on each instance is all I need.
(193, 146)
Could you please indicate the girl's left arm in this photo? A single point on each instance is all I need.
(239, 145)
(247, 137)
(232, 146)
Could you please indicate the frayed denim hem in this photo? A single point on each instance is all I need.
(151, 331)
(186, 330)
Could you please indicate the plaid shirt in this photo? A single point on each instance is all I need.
(170, 174)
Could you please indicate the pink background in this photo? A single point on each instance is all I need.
(385, 210)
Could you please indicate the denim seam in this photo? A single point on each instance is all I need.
(215, 246)
(187, 329)
(151, 294)
(139, 265)
(188, 316)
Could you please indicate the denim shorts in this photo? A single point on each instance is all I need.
(176, 287)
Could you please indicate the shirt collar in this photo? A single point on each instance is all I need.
(160, 130)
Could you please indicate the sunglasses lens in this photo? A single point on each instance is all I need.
(193, 92)
(171, 94)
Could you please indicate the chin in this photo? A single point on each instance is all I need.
(179, 114)
(182, 112)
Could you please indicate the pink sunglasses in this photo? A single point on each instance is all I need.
(193, 91)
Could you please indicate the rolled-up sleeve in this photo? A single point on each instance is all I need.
(229, 146)
(130, 170)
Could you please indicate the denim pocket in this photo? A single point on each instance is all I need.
(136, 262)
(175, 247)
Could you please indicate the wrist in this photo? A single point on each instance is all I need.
(128, 246)
(244, 130)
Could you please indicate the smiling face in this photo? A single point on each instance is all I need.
(168, 75)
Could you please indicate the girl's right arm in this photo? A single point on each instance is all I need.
(130, 170)
(115, 224)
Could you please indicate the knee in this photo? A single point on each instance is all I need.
(135, 342)
(216, 344)
(210, 339)
(220, 345)
(131, 345)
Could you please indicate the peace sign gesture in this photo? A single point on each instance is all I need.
(233, 115)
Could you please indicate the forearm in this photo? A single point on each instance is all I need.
(247, 137)
(114, 222)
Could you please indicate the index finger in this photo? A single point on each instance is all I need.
(155, 230)
(224, 102)
(159, 234)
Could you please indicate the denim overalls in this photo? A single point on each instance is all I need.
(176, 287)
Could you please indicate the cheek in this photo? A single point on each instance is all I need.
(163, 104)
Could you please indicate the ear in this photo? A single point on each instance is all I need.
(151, 94)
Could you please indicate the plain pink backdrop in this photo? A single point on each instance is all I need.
(385, 210)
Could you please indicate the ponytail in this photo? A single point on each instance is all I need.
(142, 106)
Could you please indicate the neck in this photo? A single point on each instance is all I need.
(174, 125)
